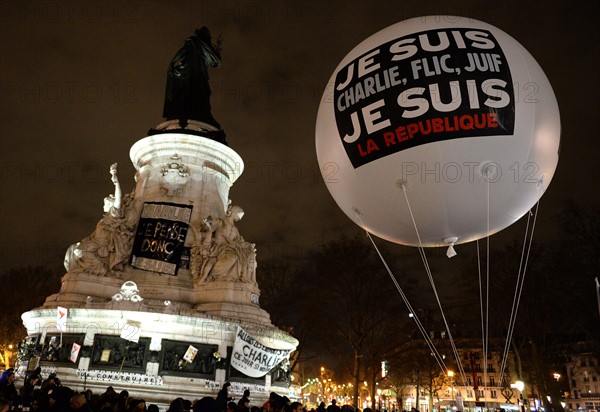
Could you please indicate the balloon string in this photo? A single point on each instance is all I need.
(438, 357)
(519, 287)
(487, 291)
(435, 292)
(481, 304)
(484, 307)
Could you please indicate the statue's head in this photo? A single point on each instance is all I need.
(213, 51)
(236, 212)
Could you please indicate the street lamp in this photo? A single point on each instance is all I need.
(451, 376)
(364, 389)
(520, 385)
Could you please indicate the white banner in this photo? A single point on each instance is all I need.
(252, 358)
(126, 377)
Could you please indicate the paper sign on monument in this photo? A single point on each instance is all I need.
(61, 319)
(190, 354)
(74, 352)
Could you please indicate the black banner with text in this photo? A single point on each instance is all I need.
(160, 236)
(421, 88)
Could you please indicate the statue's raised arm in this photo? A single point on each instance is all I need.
(118, 196)
(187, 95)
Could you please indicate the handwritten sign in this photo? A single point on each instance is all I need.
(159, 238)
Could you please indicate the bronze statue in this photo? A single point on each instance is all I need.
(187, 94)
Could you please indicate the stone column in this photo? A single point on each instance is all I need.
(185, 169)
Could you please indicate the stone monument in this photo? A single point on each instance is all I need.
(161, 299)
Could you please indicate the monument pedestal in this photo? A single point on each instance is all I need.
(165, 321)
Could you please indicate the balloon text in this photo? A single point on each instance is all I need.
(455, 83)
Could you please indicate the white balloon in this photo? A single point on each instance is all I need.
(447, 109)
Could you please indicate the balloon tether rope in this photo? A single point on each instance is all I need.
(485, 317)
(519, 287)
(439, 359)
(432, 282)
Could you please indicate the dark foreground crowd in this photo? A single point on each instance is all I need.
(49, 395)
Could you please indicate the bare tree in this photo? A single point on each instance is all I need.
(356, 305)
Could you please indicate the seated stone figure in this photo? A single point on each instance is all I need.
(108, 248)
(221, 253)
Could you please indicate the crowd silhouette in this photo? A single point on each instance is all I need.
(49, 395)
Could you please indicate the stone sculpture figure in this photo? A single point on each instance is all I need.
(221, 253)
(108, 248)
(281, 372)
(188, 92)
(200, 254)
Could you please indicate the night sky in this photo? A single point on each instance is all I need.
(82, 81)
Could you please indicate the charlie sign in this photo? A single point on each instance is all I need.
(252, 358)
(424, 87)
(160, 236)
